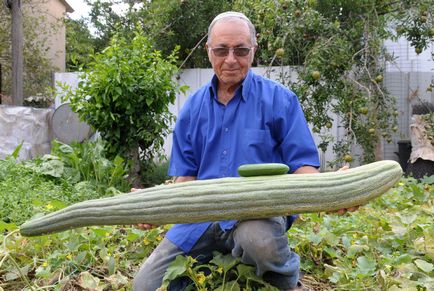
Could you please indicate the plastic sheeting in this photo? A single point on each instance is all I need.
(27, 125)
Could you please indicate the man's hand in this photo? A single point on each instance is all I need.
(143, 226)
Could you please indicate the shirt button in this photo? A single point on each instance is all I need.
(226, 129)
(225, 152)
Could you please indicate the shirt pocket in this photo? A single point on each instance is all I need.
(257, 146)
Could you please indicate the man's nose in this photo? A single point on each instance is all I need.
(231, 56)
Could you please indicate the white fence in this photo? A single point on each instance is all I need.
(406, 86)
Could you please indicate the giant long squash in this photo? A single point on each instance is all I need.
(227, 198)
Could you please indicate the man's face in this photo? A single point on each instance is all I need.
(230, 33)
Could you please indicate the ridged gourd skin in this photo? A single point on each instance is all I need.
(237, 198)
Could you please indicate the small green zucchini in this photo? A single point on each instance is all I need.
(228, 198)
(249, 170)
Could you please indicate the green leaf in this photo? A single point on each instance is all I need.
(17, 150)
(51, 167)
(87, 281)
(176, 269)
(7, 226)
(356, 249)
(424, 265)
(232, 285)
(184, 88)
(245, 270)
(227, 262)
(366, 265)
(149, 101)
(428, 180)
(100, 232)
(111, 265)
(407, 218)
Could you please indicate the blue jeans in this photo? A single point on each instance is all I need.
(262, 243)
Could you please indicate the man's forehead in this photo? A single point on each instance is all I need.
(233, 23)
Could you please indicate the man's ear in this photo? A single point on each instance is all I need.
(255, 48)
(207, 51)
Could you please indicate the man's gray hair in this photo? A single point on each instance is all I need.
(233, 14)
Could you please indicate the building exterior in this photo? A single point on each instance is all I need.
(49, 14)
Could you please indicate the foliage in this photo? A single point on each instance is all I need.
(385, 245)
(124, 94)
(336, 47)
(168, 23)
(68, 175)
(86, 259)
(156, 175)
(37, 67)
(80, 44)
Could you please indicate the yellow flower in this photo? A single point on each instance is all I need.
(159, 238)
(220, 270)
(401, 184)
(146, 241)
(200, 277)
(45, 264)
(69, 257)
(49, 206)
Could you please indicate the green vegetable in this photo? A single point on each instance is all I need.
(228, 198)
(249, 170)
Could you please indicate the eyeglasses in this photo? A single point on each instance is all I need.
(237, 51)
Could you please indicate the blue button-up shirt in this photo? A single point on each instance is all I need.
(263, 123)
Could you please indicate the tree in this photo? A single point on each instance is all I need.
(336, 47)
(80, 44)
(169, 23)
(124, 94)
(37, 68)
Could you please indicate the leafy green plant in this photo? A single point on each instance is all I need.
(70, 174)
(157, 175)
(125, 94)
(385, 245)
(223, 272)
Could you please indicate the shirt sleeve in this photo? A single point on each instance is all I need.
(182, 160)
(292, 133)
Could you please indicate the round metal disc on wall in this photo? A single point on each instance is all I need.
(67, 127)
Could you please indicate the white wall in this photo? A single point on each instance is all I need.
(405, 86)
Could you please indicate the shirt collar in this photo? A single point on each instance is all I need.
(245, 86)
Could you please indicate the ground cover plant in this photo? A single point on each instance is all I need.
(386, 245)
(68, 175)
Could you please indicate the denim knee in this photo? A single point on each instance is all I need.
(264, 244)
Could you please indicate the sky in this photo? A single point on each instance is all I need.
(82, 9)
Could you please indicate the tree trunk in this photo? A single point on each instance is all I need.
(135, 168)
(17, 53)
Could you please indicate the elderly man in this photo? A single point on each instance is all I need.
(237, 118)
